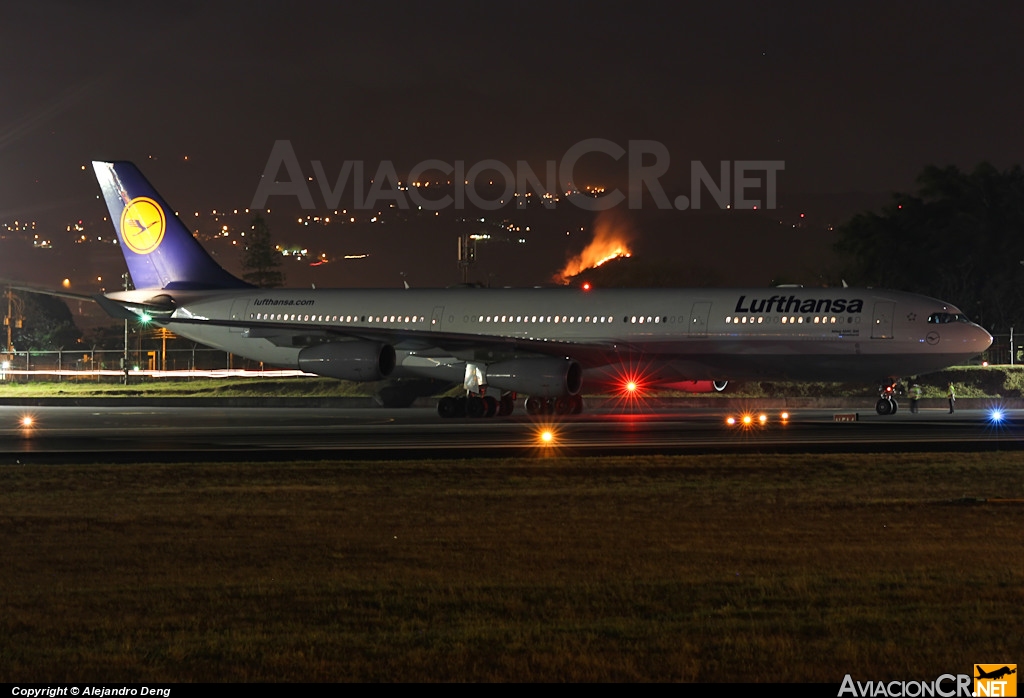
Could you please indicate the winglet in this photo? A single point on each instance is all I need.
(159, 250)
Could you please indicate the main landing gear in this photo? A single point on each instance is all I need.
(565, 404)
(487, 406)
(887, 399)
(476, 406)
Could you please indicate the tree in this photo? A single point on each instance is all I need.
(958, 238)
(259, 259)
(48, 324)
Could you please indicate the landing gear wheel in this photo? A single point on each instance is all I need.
(563, 404)
(490, 406)
(475, 407)
(577, 404)
(534, 406)
(885, 406)
(446, 407)
(449, 407)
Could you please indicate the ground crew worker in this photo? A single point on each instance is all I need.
(915, 395)
(952, 397)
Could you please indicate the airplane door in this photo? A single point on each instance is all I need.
(881, 321)
(238, 308)
(436, 317)
(699, 319)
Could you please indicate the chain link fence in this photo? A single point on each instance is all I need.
(108, 364)
(1003, 352)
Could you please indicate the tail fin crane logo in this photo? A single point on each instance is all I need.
(143, 224)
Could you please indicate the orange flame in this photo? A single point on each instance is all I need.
(612, 233)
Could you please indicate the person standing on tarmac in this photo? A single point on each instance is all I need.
(915, 395)
(952, 397)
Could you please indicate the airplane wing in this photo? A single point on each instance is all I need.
(28, 288)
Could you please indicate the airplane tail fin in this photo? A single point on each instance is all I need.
(159, 250)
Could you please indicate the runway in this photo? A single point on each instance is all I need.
(173, 434)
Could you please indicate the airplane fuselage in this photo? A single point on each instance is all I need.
(684, 334)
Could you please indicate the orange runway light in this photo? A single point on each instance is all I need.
(748, 420)
(545, 436)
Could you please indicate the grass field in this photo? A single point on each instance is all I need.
(971, 381)
(694, 568)
(201, 387)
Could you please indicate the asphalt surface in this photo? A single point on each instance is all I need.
(178, 434)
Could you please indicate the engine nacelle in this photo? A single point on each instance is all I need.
(537, 377)
(698, 386)
(352, 361)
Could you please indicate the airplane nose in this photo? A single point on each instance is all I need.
(982, 338)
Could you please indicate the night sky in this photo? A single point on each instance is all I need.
(854, 97)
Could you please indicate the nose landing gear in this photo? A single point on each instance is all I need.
(887, 399)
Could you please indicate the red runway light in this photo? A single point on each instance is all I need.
(631, 386)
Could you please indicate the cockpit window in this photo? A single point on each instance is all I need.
(944, 318)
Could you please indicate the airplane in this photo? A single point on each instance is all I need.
(544, 343)
(994, 674)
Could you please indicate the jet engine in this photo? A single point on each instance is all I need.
(354, 361)
(537, 377)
